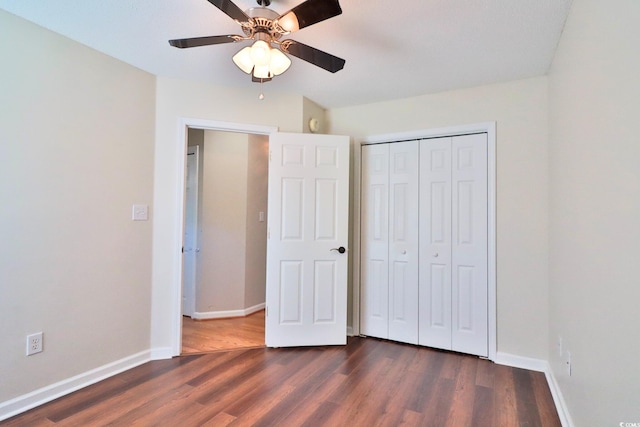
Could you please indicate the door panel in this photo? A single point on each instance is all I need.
(374, 251)
(403, 245)
(469, 262)
(308, 217)
(326, 209)
(292, 197)
(435, 243)
(325, 284)
(291, 292)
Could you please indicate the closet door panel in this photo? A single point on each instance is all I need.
(469, 244)
(435, 243)
(375, 241)
(403, 245)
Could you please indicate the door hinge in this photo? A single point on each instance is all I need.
(269, 155)
(268, 232)
(266, 311)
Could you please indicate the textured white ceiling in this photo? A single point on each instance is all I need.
(393, 49)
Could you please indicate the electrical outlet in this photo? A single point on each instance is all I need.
(34, 343)
(568, 363)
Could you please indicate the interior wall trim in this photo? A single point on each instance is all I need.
(228, 313)
(540, 365)
(53, 391)
(183, 125)
(558, 398)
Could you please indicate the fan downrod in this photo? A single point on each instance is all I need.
(264, 3)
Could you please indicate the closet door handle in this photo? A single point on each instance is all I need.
(341, 249)
(403, 252)
(435, 255)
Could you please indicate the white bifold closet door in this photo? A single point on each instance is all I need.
(403, 242)
(374, 248)
(390, 254)
(424, 242)
(453, 244)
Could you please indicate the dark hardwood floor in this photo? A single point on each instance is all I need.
(202, 336)
(369, 382)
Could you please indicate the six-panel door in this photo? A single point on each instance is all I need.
(308, 224)
(424, 270)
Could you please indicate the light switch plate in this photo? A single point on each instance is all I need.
(140, 212)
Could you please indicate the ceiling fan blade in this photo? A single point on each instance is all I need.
(230, 8)
(308, 13)
(313, 55)
(203, 41)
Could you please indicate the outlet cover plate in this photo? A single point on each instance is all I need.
(34, 343)
(140, 212)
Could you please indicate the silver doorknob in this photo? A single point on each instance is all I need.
(403, 252)
(435, 255)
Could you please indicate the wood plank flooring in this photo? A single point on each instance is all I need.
(201, 336)
(368, 382)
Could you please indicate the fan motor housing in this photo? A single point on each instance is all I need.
(262, 22)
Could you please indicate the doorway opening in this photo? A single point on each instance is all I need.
(224, 239)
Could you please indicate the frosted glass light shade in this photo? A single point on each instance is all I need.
(289, 22)
(252, 59)
(262, 72)
(279, 62)
(261, 53)
(243, 60)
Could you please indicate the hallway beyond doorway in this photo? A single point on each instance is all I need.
(202, 336)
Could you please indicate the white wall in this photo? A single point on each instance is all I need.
(76, 151)
(177, 99)
(595, 211)
(224, 203)
(520, 110)
(256, 245)
(312, 110)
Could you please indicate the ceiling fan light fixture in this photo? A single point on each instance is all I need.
(289, 22)
(262, 72)
(261, 53)
(279, 62)
(243, 60)
(265, 27)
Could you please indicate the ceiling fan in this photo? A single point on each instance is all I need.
(265, 59)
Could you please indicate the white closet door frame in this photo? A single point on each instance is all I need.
(490, 129)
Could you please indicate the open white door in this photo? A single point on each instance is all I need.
(306, 248)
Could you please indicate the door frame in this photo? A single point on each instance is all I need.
(192, 286)
(181, 161)
(490, 129)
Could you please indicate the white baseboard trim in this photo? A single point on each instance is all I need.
(161, 353)
(522, 362)
(540, 365)
(46, 394)
(229, 313)
(558, 399)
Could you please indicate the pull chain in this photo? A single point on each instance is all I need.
(261, 97)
